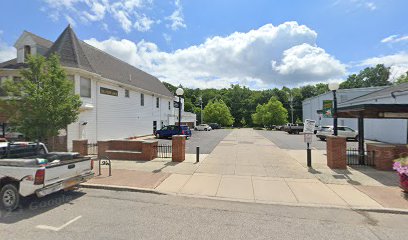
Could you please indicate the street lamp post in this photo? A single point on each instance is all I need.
(201, 112)
(334, 86)
(179, 93)
(291, 104)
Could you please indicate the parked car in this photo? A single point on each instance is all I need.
(203, 127)
(344, 131)
(171, 130)
(11, 134)
(215, 125)
(294, 128)
(28, 168)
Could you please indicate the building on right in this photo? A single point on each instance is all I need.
(379, 129)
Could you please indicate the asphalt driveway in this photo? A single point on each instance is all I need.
(207, 141)
(296, 141)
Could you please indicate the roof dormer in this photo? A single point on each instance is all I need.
(30, 44)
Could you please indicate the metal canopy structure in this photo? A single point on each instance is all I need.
(379, 111)
(390, 111)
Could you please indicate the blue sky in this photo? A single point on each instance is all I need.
(210, 43)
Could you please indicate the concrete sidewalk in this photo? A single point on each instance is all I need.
(245, 166)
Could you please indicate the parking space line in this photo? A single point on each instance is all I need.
(56, 229)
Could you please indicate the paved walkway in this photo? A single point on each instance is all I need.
(245, 166)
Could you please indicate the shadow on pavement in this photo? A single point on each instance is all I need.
(32, 206)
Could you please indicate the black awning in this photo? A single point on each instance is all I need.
(391, 111)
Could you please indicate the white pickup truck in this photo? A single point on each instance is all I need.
(28, 168)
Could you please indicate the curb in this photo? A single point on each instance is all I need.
(152, 191)
(383, 210)
(120, 188)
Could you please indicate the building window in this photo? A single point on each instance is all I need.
(27, 52)
(17, 79)
(85, 87)
(126, 93)
(141, 99)
(157, 102)
(169, 105)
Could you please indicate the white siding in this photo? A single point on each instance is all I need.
(384, 130)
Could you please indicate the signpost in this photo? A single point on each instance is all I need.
(308, 130)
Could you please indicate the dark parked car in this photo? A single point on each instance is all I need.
(170, 130)
(215, 125)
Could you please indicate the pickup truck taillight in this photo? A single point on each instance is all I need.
(92, 164)
(39, 177)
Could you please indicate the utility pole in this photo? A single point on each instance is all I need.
(291, 104)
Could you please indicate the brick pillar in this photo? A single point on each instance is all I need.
(336, 152)
(178, 148)
(102, 147)
(384, 155)
(80, 146)
(149, 150)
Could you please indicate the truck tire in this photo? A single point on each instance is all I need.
(10, 197)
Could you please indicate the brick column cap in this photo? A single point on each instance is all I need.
(334, 137)
(179, 136)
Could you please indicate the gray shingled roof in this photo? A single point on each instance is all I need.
(69, 48)
(39, 40)
(78, 54)
(385, 92)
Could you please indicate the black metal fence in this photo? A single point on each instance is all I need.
(354, 158)
(92, 148)
(163, 151)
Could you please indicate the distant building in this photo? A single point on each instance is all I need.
(118, 100)
(384, 130)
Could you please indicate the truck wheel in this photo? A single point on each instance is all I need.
(10, 198)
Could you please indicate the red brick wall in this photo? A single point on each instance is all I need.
(178, 148)
(336, 152)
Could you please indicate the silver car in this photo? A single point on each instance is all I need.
(203, 127)
(344, 131)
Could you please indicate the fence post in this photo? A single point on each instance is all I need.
(197, 154)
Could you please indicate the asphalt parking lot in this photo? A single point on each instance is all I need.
(206, 140)
(296, 141)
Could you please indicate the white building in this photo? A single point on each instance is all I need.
(119, 100)
(384, 130)
(187, 118)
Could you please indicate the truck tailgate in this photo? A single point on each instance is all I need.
(66, 169)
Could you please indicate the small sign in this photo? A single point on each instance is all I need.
(176, 104)
(108, 91)
(308, 137)
(327, 109)
(309, 126)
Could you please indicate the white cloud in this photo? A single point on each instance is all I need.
(127, 13)
(176, 18)
(6, 52)
(269, 56)
(394, 39)
(397, 62)
(143, 24)
(352, 5)
(167, 37)
(70, 20)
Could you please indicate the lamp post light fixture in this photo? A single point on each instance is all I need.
(334, 86)
(179, 93)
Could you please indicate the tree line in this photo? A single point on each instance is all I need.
(243, 103)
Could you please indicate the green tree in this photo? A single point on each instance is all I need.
(369, 77)
(217, 111)
(271, 113)
(402, 79)
(44, 99)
